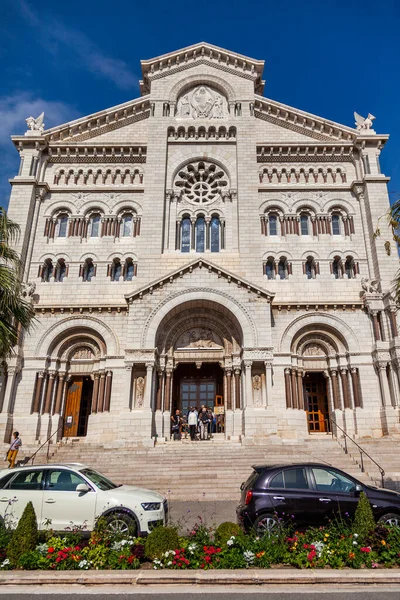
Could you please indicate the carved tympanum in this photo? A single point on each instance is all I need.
(82, 353)
(199, 337)
(202, 102)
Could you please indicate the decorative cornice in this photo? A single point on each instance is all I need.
(97, 153)
(289, 152)
(188, 268)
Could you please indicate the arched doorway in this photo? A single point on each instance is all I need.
(199, 347)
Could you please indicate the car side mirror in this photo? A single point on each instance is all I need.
(358, 489)
(82, 487)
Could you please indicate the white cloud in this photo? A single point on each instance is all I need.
(58, 39)
(14, 109)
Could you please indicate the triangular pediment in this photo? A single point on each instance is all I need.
(187, 269)
(202, 53)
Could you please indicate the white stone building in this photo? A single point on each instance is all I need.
(203, 244)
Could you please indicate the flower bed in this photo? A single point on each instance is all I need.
(340, 544)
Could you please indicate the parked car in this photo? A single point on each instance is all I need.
(76, 494)
(309, 493)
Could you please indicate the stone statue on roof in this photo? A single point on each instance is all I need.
(362, 122)
(35, 124)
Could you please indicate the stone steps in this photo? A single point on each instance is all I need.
(200, 471)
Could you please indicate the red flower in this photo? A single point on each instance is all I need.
(208, 559)
(306, 546)
(311, 555)
(50, 550)
(58, 559)
(366, 549)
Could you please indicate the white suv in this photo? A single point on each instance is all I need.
(70, 495)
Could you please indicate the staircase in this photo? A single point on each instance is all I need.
(200, 471)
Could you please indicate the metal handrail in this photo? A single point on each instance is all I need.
(361, 450)
(32, 458)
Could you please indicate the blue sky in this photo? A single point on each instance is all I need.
(74, 58)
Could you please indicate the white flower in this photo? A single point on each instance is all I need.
(319, 546)
(42, 549)
(84, 564)
(169, 563)
(5, 563)
(355, 535)
(230, 543)
(249, 556)
(354, 543)
(192, 547)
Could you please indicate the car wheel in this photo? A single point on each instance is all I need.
(390, 519)
(266, 524)
(121, 523)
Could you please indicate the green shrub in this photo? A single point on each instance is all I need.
(30, 561)
(364, 521)
(25, 536)
(5, 536)
(225, 531)
(160, 540)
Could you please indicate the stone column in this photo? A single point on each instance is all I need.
(38, 392)
(249, 386)
(300, 394)
(355, 380)
(383, 380)
(167, 401)
(238, 403)
(108, 391)
(288, 391)
(375, 324)
(268, 382)
(59, 394)
(95, 392)
(345, 388)
(147, 390)
(49, 393)
(395, 384)
(100, 399)
(393, 322)
(193, 233)
(294, 389)
(335, 389)
(228, 375)
(160, 380)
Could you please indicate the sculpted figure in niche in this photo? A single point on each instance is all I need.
(139, 392)
(184, 106)
(200, 337)
(257, 390)
(202, 103)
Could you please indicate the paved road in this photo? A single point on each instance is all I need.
(186, 514)
(303, 592)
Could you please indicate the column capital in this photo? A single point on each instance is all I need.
(237, 371)
(248, 364)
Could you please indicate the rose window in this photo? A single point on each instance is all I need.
(201, 182)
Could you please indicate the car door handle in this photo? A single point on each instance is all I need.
(279, 498)
(325, 500)
(50, 501)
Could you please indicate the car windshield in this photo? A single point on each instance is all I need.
(98, 479)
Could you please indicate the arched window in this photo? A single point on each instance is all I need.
(185, 234)
(116, 269)
(62, 225)
(283, 268)
(126, 225)
(200, 234)
(129, 270)
(89, 270)
(95, 225)
(47, 270)
(350, 267)
(336, 224)
(273, 224)
(215, 234)
(304, 224)
(269, 268)
(61, 270)
(310, 268)
(337, 267)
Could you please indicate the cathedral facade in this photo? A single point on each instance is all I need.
(203, 244)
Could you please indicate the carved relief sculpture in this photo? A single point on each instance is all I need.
(199, 337)
(257, 390)
(82, 353)
(202, 102)
(139, 392)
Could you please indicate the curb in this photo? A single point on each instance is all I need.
(219, 577)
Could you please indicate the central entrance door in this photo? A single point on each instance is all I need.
(316, 403)
(195, 387)
(77, 407)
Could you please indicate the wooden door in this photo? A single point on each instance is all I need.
(73, 407)
(316, 403)
(196, 392)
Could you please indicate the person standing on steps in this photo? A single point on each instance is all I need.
(192, 421)
(13, 450)
(176, 425)
(203, 420)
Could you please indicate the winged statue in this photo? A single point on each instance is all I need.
(362, 122)
(35, 124)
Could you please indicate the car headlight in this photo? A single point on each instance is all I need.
(151, 505)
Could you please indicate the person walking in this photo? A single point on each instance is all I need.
(13, 450)
(192, 421)
(203, 420)
(176, 425)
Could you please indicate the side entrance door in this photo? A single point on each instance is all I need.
(316, 403)
(73, 407)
